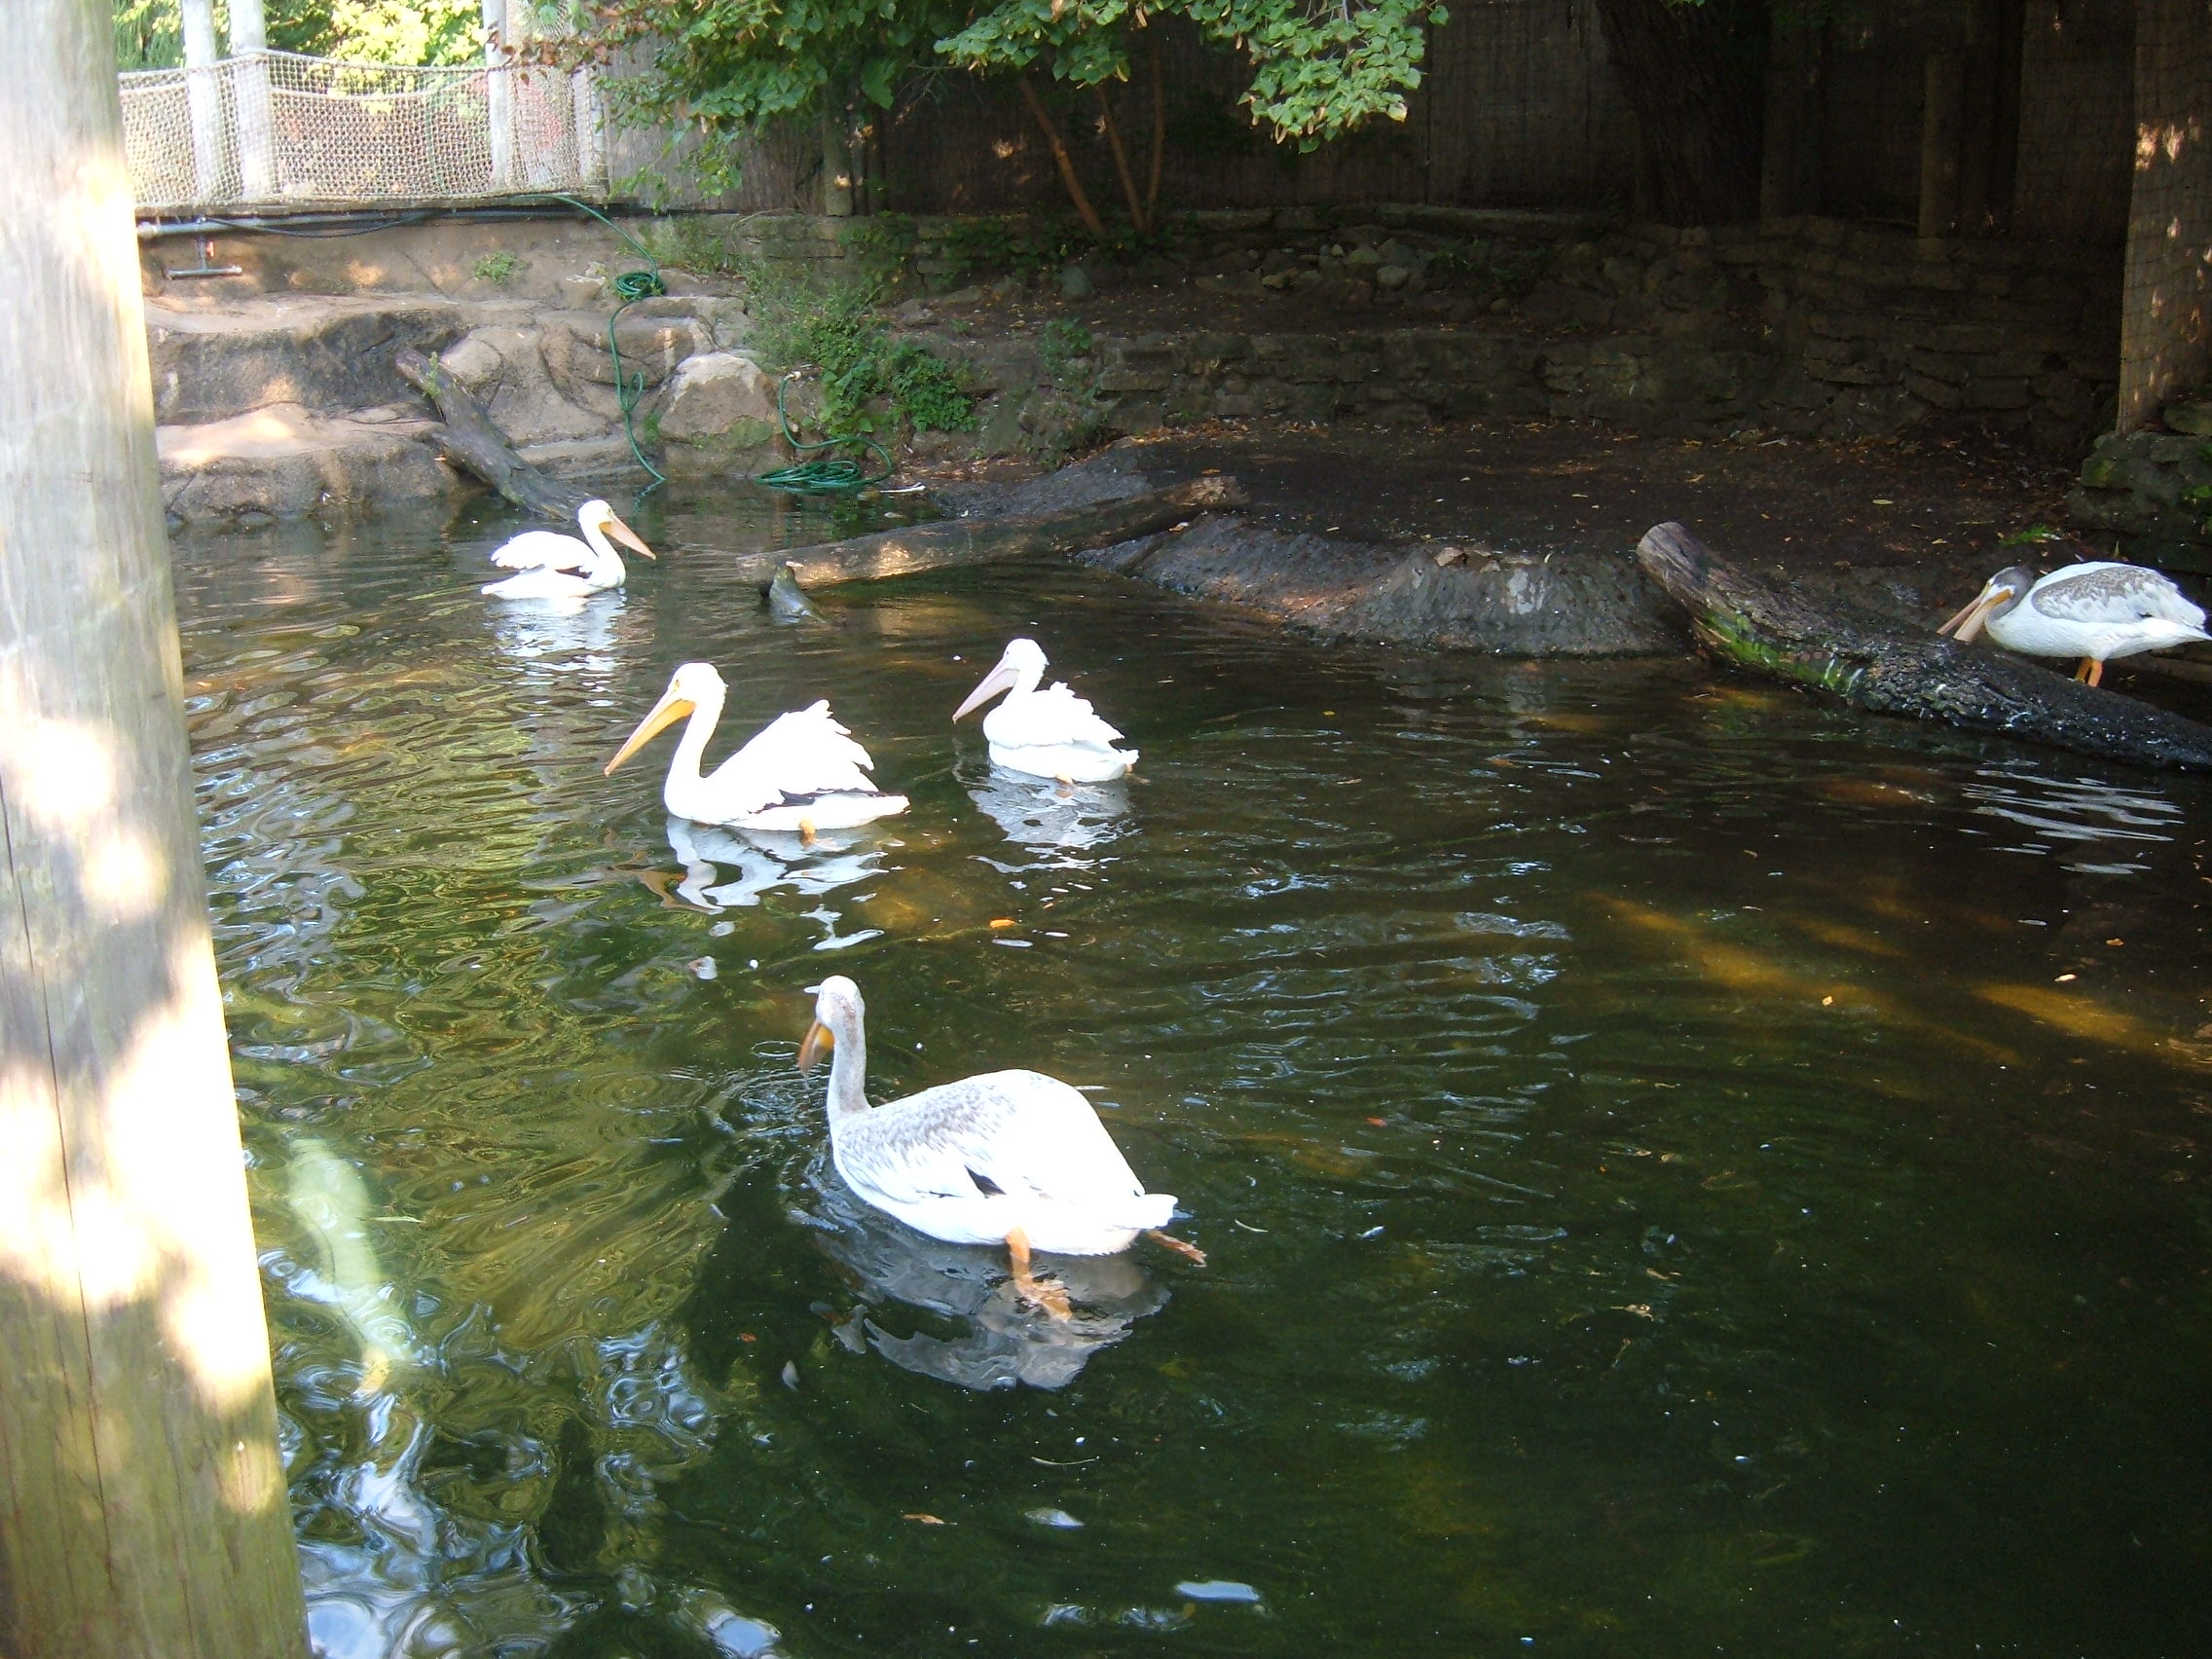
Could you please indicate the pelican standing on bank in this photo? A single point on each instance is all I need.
(2095, 612)
(1048, 734)
(801, 771)
(561, 566)
(1010, 1156)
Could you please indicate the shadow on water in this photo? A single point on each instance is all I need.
(1683, 1166)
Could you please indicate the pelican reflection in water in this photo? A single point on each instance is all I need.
(973, 1329)
(1065, 822)
(764, 861)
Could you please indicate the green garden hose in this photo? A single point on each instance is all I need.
(832, 474)
(630, 286)
(828, 477)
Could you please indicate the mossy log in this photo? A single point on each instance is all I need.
(948, 542)
(473, 443)
(1874, 663)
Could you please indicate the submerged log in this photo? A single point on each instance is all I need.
(979, 541)
(1874, 663)
(474, 445)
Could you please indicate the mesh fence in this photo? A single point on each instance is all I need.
(275, 129)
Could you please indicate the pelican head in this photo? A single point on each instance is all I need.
(598, 515)
(1022, 663)
(693, 685)
(1999, 595)
(837, 1007)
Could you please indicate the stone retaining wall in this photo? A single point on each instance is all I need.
(1807, 326)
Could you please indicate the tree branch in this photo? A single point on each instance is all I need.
(1084, 209)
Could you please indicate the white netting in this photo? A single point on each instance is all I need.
(275, 129)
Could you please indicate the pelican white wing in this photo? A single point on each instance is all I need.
(797, 755)
(544, 550)
(973, 1160)
(2106, 594)
(1048, 718)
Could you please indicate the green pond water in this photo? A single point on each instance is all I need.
(1664, 1194)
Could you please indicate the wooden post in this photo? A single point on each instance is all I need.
(1989, 139)
(498, 91)
(837, 165)
(2165, 316)
(250, 42)
(1789, 163)
(204, 100)
(1939, 115)
(142, 1501)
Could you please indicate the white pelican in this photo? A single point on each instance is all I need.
(2095, 612)
(1048, 734)
(1011, 1157)
(554, 566)
(801, 771)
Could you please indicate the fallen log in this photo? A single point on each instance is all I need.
(473, 443)
(948, 542)
(1874, 663)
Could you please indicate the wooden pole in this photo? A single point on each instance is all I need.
(1940, 113)
(204, 100)
(142, 1503)
(250, 42)
(2165, 311)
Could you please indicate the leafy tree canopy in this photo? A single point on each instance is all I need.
(149, 34)
(1319, 67)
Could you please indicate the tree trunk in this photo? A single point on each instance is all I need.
(1894, 669)
(2165, 318)
(142, 1503)
(1137, 219)
(472, 442)
(980, 541)
(1063, 160)
(1158, 134)
(1693, 78)
(1942, 104)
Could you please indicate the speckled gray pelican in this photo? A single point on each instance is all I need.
(1011, 1157)
(2095, 612)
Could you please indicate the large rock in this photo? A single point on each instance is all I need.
(720, 414)
(652, 347)
(285, 461)
(318, 351)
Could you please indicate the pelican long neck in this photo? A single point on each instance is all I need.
(848, 1069)
(608, 568)
(691, 747)
(1026, 679)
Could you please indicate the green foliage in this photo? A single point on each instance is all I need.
(884, 242)
(1486, 269)
(1032, 244)
(1317, 71)
(1061, 344)
(729, 66)
(498, 266)
(149, 34)
(2030, 535)
(870, 382)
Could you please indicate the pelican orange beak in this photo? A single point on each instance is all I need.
(817, 1043)
(623, 533)
(1000, 679)
(1968, 622)
(673, 707)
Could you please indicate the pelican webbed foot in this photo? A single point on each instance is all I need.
(1182, 1247)
(1038, 1293)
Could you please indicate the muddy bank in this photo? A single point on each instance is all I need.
(1468, 595)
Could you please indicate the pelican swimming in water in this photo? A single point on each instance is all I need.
(554, 566)
(801, 771)
(1048, 734)
(2095, 612)
(1011, 1157)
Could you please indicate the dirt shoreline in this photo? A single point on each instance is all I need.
(1520, 538)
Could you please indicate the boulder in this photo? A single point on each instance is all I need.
(718, 413)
